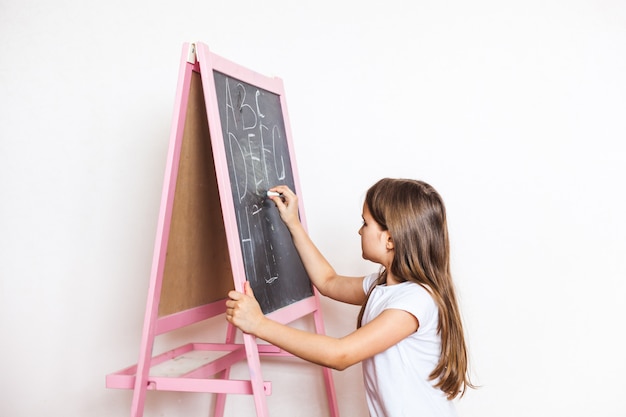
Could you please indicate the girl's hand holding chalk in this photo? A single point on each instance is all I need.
(286, 203)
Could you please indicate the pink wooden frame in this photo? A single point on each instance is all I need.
(198, 58)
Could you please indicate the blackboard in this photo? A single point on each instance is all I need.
(258, 157)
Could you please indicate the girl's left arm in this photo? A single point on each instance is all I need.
(389, 328)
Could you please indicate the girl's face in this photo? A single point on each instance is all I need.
(376, 243)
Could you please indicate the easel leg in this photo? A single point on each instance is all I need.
(220, 402)
(139, 399)
(256, 377)
(328, 377)
(143, 367)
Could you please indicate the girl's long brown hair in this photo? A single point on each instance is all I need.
(415, 216)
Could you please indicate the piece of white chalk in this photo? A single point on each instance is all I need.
(274, 194)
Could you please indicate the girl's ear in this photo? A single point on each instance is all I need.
(389, 245)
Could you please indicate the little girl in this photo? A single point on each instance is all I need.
(409, 335)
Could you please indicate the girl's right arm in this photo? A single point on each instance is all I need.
(384, 331)
(321, 273)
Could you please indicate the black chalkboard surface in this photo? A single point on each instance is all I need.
(258, 158)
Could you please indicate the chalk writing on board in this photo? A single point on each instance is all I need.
(258, 158)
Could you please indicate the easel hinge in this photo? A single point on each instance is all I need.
(191, 54)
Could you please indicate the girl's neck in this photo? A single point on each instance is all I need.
(390, 279)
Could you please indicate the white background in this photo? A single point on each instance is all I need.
(514, 111)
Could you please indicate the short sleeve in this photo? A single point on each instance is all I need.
(415, 300)
(368, 281)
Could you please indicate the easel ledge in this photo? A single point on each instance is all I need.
(192, 381)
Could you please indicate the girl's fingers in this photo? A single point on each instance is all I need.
(248, 289)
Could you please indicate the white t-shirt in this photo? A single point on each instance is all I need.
(397, 380)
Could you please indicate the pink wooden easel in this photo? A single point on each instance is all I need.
(180, 294)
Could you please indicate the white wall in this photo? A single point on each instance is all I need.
(515, 111)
